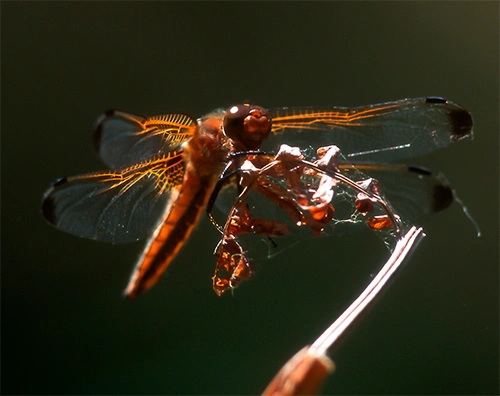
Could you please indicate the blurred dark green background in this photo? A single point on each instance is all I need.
(65, 328)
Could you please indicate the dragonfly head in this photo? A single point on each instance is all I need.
(247, 126)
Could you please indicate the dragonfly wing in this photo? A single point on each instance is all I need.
(114, 206)
(381, 132)
(414, 192)
(124, 139)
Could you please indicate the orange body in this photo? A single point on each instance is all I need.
(205, 155)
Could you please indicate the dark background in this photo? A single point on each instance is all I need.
(65, 328)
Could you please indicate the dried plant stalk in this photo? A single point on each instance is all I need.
(305, 372)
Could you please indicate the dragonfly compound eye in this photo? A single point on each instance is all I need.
(247, 125)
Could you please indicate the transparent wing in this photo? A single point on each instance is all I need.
(124, 139)
(381, 132)
(414, 192)
(116, 207)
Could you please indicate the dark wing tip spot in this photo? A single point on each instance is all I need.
(48, 209)
(442, 197)
(60, 182)
(461, 121)
(49, 204)
(435, 99)
(419, 170)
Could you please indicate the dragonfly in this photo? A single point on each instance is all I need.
(163, 170)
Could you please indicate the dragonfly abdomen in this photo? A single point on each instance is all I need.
(182, 214)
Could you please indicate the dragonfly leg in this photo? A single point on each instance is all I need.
(233, 265)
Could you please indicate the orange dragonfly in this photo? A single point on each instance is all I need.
(164, 168)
